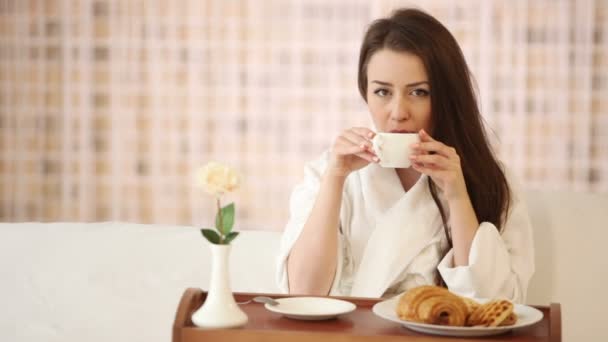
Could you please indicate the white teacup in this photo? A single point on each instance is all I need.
(394, 149)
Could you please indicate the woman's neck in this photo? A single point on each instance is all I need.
(408, 177)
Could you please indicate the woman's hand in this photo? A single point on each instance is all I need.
(351, 151)
(441, 163)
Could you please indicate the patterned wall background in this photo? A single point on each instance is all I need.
(107, 106)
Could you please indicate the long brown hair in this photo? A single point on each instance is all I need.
(455, 117)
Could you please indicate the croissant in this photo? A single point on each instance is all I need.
(432, 305)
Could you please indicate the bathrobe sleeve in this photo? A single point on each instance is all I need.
(301, 203)
(500, 264)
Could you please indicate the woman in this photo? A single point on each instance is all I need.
(357, 229)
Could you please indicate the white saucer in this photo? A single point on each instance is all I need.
(311, 308)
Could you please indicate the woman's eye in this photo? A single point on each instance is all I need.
(420, 92)
(381, 92)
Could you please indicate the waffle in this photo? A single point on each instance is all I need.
(491, 314)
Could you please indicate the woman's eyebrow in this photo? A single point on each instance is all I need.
(417, 84)
(407, 85)
(383, 83)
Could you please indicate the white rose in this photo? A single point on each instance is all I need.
(217, 179)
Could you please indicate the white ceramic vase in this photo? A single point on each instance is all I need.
(219, 309)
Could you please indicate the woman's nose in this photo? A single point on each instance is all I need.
(399, 110)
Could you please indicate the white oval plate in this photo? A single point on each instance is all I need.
(526, 316)
(311, 308)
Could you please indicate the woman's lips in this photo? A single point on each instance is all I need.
(401, 131)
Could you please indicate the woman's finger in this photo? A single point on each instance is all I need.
(433, 159)
(429, 170)
(424, 136)
(345, 147)
(436, 147)
(368, 156)
(357, 139)
(357, 151)
(364, 132)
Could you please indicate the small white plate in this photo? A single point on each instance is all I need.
(311, 308)
(526, 316)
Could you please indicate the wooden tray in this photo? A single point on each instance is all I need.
(358, 326)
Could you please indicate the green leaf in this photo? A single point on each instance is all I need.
(230, 237)
(227, 213)
(211, 236)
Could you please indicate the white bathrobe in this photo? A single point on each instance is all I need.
(391, 240)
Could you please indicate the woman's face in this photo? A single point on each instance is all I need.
(398, 92)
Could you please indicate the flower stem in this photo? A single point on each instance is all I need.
(221, 227)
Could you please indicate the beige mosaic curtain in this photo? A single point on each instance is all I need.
(107, 106)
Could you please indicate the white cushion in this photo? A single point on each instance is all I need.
(112, 281)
